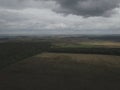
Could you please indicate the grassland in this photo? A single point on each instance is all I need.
(59, 64)
(87, 47)
(13, 51)
(87, 44)
(52, 71)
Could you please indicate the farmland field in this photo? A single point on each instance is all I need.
(63, 72)
(59, 64)
(11, 52)
(86, 47)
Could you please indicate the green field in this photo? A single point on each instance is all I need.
(11, 52)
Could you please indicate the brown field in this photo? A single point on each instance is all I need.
(87, 44)
(59, 71)
(104, 43)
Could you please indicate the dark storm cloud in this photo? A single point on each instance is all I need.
(76, 7)
(87, 7)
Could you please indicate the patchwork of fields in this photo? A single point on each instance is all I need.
(57, 64)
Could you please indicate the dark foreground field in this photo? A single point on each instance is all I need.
(51, 71)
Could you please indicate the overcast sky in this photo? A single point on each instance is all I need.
(59, 17)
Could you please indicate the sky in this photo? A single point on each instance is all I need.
(40, 17)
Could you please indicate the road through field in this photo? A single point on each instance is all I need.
(59, 71)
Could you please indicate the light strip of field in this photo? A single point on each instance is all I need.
(107, 60)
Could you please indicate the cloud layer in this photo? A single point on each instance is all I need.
(87, 7)
(59, 17)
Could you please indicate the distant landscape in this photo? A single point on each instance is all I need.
(19, 47)
(79, 62)
(59, 44)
